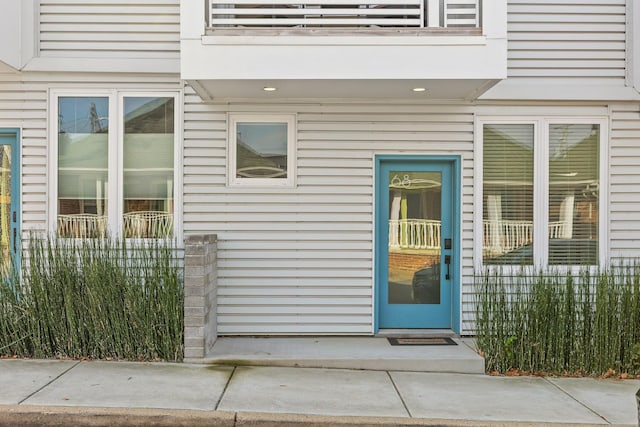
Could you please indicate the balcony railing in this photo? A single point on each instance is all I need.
(344, 13)
(504, 235)
(498, 236)
(414, 234)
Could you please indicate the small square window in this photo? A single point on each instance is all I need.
(261, 149)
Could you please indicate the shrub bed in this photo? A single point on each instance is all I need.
(94, 298)
(585, 323)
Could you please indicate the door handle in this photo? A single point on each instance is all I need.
(447, 261)
(15, 234)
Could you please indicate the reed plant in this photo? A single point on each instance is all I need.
(585, 323)
(94, 298)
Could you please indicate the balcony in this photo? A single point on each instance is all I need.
(461, 14)
(452, 49)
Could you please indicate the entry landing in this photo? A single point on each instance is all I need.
(373, 353)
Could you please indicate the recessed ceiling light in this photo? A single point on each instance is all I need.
(419, 89)
(269, 89)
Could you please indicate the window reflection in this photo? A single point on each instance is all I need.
(507, 211)
(5, 209)
(148, 166)
(261, 150)
(414, 237)
(83, 127)
(573, 193)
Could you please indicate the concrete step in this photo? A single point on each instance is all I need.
(374, 353)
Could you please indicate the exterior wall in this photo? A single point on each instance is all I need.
(24, 103)
(624, 221)
(567, 50)
(579, 41)
(300, 260)
(117, 28)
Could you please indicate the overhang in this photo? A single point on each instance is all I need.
(456, 68)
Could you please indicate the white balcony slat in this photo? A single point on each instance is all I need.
(317, 21)
(462, 13)
(316, 2)
(318, 12)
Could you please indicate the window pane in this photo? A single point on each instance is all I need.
(148, 166)
(5, 209)
(82, 166)
(261, 150)
(415, 219)
(573, 193)
(507, 210)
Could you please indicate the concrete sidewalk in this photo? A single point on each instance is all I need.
(96, 393)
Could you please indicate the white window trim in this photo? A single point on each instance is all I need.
(541, 182)
(115, 154)
(235, 118)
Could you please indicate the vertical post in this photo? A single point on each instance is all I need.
(207, 13)
(433, 13)
(200, 296)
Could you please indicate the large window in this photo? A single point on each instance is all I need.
(541, 201)
(115, 165)
(507, 185)
(261, 149)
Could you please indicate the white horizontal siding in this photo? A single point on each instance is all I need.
(567, 39)
(624, 181)
(300, 260)
(109, 28)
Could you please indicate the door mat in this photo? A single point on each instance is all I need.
(422, 341)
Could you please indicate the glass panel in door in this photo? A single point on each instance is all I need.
(414, 237)
(5, 209)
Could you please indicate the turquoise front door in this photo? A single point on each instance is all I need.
(417, 210)
(9, 199)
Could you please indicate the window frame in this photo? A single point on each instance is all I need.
(115, 160)
(541, 126)
(233, 119)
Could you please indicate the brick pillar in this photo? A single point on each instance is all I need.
(200, 296)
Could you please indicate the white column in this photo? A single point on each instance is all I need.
(494, 215)
(566, 217)
(394, 219)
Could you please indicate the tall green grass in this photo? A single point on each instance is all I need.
(569, 323)
(94, 298)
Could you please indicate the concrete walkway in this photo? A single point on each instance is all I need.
(373, 353)
(96, 393)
